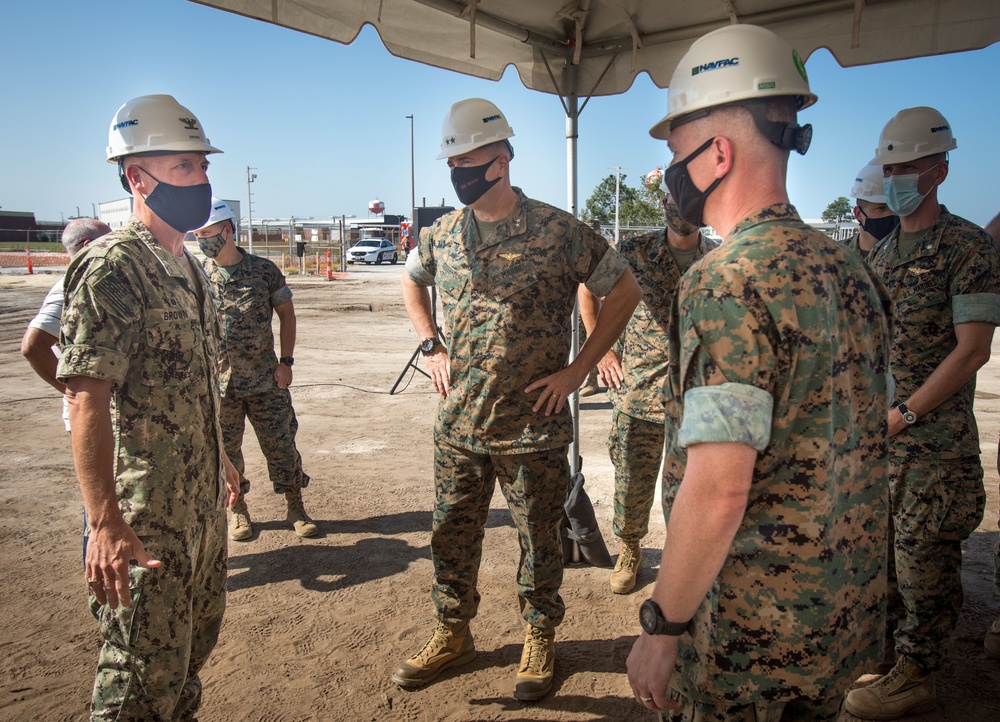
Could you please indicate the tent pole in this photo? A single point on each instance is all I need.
(571, 104)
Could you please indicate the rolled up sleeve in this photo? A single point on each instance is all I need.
(729, 412)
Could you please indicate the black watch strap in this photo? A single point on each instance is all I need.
(652, 621)
(287, 360)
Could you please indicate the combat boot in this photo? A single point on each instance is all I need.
(239, 522)
(538, 662)
(992, 642)
(590, 387)
(628, 567)
(450, 644)
(906, 690)
(297, 516)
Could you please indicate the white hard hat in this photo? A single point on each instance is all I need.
(220, 212)
(914, 133)
(868, 185)
(734, 63)
(471, 124)
(155, 123)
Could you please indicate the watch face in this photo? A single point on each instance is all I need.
(647, 617)
(427, 345)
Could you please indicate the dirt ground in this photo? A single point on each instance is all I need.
(314, 627)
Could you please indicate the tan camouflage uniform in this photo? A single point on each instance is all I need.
(133, 318)
(951, 276)
(508, 302)
(635, 443)
(779, 342)
(247, 300)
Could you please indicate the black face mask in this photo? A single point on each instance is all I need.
(690, 201)
(183, 208)
(879, 228)
(470, 183)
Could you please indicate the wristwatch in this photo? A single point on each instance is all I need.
(909, 417)
(427, 345)
(287, 360)
(652, 621)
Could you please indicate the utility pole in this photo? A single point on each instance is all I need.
(618, 184)
(413, 195)
(251, 177)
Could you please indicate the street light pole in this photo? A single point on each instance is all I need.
(413, 193)
(251, 177)
(618, 179)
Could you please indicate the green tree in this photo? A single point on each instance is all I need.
(633, 209)
(838, 211)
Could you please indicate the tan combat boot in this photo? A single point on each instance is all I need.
(906, 690)
(239, 521)
(297, 516)
(449, 645)
(627, 569)
(590, 386)
(992, 642)
(538, 662)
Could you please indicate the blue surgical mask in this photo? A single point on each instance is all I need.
(901, 194)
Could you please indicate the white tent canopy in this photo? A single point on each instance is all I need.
(600, 46)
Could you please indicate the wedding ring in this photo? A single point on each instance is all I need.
(95, 583)
(646, 699)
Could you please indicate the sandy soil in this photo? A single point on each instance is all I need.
(315, 627)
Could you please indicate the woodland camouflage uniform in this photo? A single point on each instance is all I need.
(247, 297)
(508, 304)
(636, 439)
(951, 276)
(779, 341)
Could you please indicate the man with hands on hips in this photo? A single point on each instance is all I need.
(507, 269)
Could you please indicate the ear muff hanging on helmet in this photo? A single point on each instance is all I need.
(789, 136)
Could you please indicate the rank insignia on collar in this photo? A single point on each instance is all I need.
(510, 256)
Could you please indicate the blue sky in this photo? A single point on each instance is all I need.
(324, 123)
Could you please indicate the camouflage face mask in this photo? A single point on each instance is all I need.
(674, 221)
(211, 246)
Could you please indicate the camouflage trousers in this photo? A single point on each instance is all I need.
(273, 420)
(535, 486)
(802, 710)
(996, 548)
(153, 649)
(936, 504)
(996, 565)
(636, 450)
